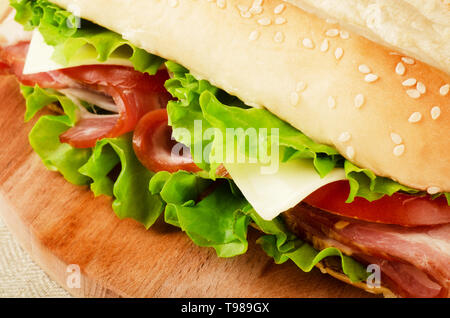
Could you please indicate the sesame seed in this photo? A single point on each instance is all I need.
(301, 86)
(338, 53)
(173, 3)
(413, 93)
(421, 88)
(400, 69)
(350, 151)
(359, 100)
(364, 69)
(324, 46)
(331, 102)
(409, 82)
(280, 20)
(344, 35)
(332, 32)
(444, 89)
(415, 117)
(435, 112)
(279, 37)
(370, 78)
(221, 4)
(408, 60)
(264, 21)
(396, 138)
(344, 137)
(279, 8)
(399, 150)
(294, 98)
(308, 43)
(433, 190)
(254, 35)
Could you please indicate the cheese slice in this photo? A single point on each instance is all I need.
(39, 57)
(272, 194)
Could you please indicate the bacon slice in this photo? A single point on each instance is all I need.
(133, 92)
(415, 261)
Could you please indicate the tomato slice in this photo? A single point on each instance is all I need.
(153, 145)
(401, 209)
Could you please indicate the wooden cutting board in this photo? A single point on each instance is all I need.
(61, 224)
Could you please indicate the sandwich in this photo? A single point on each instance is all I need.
(324, 125)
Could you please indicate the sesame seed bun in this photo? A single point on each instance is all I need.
(382, 110)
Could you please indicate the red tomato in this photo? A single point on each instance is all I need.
(401, 209)
(153, 145)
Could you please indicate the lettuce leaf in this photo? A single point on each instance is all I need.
(364, 183)
(217, 221)
(68, 34)
(132, 199)
(44, 137)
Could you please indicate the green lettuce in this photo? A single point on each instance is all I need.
(364, 183)
(69, 34)
(44, 137)
(217, 221)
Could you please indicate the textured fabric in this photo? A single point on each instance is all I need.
(19, 275)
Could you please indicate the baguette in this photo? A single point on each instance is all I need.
(393, 110)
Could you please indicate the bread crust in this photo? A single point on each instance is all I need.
(419, 28)
(264, 58)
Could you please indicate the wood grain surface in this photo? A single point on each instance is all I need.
(61, 224)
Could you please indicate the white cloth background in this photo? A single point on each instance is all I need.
(19, 275)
